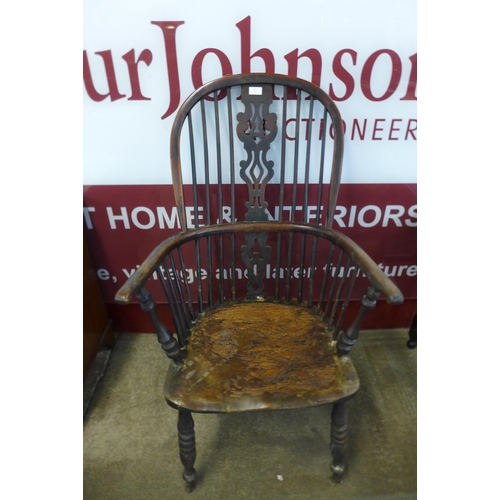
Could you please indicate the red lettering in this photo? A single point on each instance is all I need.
(197, 67)
(343, 75)
(267, 60)
(411, 130)
(113, 93)
(286, 129)
(394, 129)
(412, 82)
(146, 57)
(376, 129)
(292, 59)
(366, 74)
(169, 28)
(308, 124)
(355, 126)
(265, 54)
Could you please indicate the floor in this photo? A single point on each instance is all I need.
(130, 434)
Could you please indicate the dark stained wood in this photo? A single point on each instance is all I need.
(244, 350)
(187, 447)
(132, 319)
(338, 441)
(259, 356)
(412, 341)
(256, 129)
(303, 87)
(348, 338)
(165, 337)
(359, 257)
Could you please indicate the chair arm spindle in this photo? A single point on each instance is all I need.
(165, 337)
(348, 339)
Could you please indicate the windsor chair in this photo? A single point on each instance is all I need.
(260, 286)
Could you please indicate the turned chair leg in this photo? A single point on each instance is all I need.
(187, 447)
(338, 441)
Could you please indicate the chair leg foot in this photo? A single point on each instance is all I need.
(187, 448)
(338, 442)
(411, 345)
(337, 474)
(190, 480)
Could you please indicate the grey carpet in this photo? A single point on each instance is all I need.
(130, 435)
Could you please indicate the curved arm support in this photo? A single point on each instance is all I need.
(348, 339)
(377, 278)
(165, 337)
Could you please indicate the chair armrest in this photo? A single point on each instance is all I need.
(137, 280)
(378, 279)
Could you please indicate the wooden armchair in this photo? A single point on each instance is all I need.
(259, 286)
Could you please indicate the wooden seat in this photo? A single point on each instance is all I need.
(266, 299)
(260, 356)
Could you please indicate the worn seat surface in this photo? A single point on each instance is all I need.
(258, 355)
(266, 297)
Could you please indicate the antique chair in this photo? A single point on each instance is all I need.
(259, 286)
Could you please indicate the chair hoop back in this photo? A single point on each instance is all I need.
(278, 130)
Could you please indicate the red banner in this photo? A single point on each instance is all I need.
(123, 224)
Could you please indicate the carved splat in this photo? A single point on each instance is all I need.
(256, 129)
(245, 355)
(256, 255)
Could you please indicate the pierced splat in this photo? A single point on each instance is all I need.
(287, 350)
(256, 129)
(256, 255)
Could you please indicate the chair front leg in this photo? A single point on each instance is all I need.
(338, 441)
(187, 447)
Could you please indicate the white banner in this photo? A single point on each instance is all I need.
(143, 58)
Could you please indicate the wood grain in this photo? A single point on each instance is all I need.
(258, 356)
